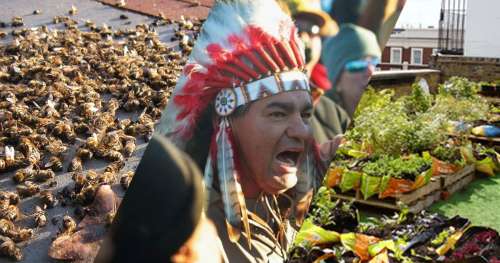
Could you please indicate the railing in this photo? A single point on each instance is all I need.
(451, 27)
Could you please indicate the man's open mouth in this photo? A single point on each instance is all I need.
(289, 157)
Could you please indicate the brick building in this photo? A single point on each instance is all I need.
(409, 49)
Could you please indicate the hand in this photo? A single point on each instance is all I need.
(328, 149)
(202, 246)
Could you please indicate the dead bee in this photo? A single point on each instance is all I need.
(86, 194)
(48, 199)
(126, 179)
(37, 12)
(11, 213)
(107, 178)
(113, 140)
(75, 165)
(82, 128)
(114, 167)
(112, 106)
(33, 156)
(11, 197)
(80, 180)
(52, 184)
(129, 148)
(7, 227)
(56, 147)
(131, 104)
(88, 110)
(64, 130)
(9, 161)
(2, 34)
(103, 122)
(22, 175)
(44, 175)
(92, 142)
(89, 23)
(73, 10)
(84, 154)
(40, 217)
(54, 163)
(4, 203)
(8, 248)
(69, 224)
(22, 234)
(27, 189)
(92, 175)
(113, 156)
(133, 129)
(17, 21)
(122, 124)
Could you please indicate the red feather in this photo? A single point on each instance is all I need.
(229, 69)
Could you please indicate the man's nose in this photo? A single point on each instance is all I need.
(299, 129)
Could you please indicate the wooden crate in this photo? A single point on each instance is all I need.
(460, 184)
(416, 200)
(421, 198)
(449, 179)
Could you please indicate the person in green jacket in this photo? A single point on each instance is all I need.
(351, 55)
(328, 119)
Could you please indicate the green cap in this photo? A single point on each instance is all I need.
(351, 43)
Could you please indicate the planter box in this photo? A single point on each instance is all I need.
(421, 198)
(449, 179)
(416, 200)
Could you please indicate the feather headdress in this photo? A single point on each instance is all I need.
(247, 50)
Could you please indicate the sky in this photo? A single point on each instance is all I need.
(418, 13)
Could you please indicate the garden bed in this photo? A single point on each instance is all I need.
(420, 198)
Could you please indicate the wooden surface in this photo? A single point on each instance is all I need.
(172, 9)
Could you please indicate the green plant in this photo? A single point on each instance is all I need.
(409, 168)
(459, 88)
(427, 132)
(323, 206)
(385, 128)
(372, 100)
(417, 101)
(447, 153)
(466, 110)
(401, 167)
(379, 167)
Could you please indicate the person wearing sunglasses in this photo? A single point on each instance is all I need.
(351, 57)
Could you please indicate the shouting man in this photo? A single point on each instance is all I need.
(241, 110)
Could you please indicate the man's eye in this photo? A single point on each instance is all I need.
(277, 114)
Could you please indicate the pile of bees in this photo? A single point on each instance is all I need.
(62, 89)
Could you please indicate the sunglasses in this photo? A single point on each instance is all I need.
(361, 64)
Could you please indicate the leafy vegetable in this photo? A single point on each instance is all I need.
(459, 88)
(418, 101)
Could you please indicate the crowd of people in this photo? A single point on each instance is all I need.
(253, 123)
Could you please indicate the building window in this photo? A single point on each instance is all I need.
(416, 56)
(396, 55)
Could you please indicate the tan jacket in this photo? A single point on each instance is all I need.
(264, 248)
